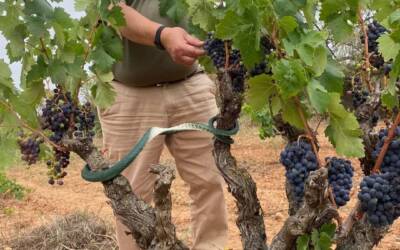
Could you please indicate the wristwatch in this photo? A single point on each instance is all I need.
(157, 38)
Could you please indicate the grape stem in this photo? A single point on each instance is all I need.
(44, 49)
(367, 64)
(226, 55)
(308, 130)
(386, 144)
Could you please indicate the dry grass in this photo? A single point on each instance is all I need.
(78, 230)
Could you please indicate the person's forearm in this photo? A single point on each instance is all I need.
(138, 28)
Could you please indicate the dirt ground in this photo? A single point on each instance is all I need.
(260, 157)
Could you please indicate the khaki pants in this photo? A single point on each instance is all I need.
(137, 109)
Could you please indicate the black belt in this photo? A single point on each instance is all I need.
(180, 80)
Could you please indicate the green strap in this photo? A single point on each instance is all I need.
(117, 168)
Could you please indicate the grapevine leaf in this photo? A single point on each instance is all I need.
(5, 75)
(324, 241)
(81, 5)
(228, 27)
(116, 17)
(57, 72)
(318, 95)
(332, 78)
(202, 13)
(389, 48)
(288, 24)
(35, 26)
(33, 94)
(290, 76)
(302, 242)
(9, 149)
(261, 88)
(340, 17)
(103, 93)
(291, 114)
(41, 8)
(310, 46)
(389, 94)
(343, 130)
(329, 229)
(26, 112)
(245, 31)
(103, 61)
(7, 118)
(176, 10)
(315, 239)
(382, 8)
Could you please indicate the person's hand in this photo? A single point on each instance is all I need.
(182, 47)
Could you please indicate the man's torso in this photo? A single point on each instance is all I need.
(146, 65)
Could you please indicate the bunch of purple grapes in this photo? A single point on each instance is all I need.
(340, 174)
(380, 193)
(215, 49)
(30, 149)
(375, 31)
(262, 68)
(299, 160)
(65, 118)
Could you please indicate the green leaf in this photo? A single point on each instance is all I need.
(9, 149)
(315, 239)
(261, 88)
(291, 115)
(103, 61)
(244, 29)
(176, 10)
(104, 94)
(302, 242)
(325, 242)
(340, 17)
(290, 76)
(343, 131)
(288, 23)
(202, 13)
(5, 75)
(318, 95)
(329, 229)
(81, 5)
(33, 94)
(332, 78)
(310, 46)
(41, 8)
(389, 48)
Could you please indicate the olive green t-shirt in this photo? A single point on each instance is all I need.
(146, 65)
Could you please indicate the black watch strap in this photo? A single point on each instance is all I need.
(157, 38)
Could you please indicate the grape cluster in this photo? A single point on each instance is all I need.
(340, 174)
(375, 30)
(378, 199)
(262, 68)
(30, 149)
(215, 49)
(380, 193)
(299, 160)
(359, 95)
(63, 117)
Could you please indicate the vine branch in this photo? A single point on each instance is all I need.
(367, 64)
